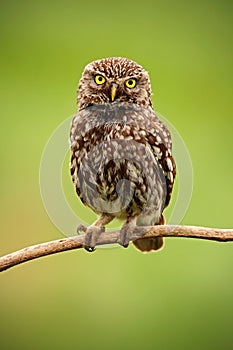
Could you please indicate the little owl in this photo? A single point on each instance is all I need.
(121, 164)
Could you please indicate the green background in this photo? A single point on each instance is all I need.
(179, 298)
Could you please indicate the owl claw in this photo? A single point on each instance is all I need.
(124, 238)
(92, 235)
(127, 232)
(125, 245)
(90, 249)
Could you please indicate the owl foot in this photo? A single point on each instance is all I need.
(127, 232)
(124, 237)
(93, 231)
(92, 235)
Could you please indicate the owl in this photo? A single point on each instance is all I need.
(121, 152)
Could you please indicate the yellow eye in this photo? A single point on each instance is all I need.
(131, 83)
(99, 79)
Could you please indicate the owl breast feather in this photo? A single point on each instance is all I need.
(116, 162)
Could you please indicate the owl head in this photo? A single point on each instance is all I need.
(114, 79)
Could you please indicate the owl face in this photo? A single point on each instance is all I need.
(113, 80)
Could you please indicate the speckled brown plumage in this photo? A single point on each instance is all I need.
(121, 163)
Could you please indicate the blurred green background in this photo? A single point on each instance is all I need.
(179, 298)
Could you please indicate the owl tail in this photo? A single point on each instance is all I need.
(146, 245)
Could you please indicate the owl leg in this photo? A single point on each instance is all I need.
(127, 231)
(93, 231)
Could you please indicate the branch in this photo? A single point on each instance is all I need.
(76, 242)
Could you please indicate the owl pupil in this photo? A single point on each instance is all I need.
(130, 82)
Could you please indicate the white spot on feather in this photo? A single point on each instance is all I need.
(170, 176)
(169, 164)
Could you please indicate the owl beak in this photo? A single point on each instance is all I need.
(113, 91)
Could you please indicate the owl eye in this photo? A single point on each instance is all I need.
(131, 83)
(99, 79)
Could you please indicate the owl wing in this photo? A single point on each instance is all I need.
(149, 129)
(160, 142)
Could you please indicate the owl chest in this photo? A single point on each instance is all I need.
(116, 166)
(110, 154)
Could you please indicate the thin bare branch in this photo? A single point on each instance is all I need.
(76, 242)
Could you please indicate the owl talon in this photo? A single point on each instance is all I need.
(127, 231)
(124, 238)
(92, 235)
(125, 245)
(89, 249)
